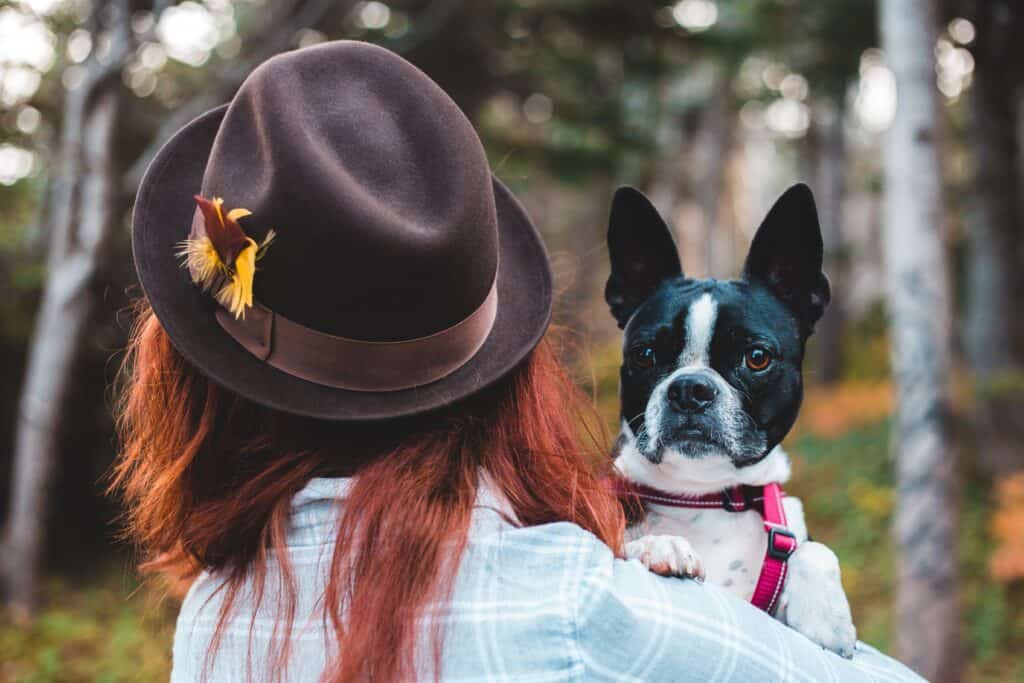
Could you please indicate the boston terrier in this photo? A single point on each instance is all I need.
(710, 384)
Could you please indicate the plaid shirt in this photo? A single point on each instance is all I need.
(531, 604)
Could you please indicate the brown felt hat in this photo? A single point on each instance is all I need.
(402, 275)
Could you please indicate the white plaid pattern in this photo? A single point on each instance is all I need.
(533, 604)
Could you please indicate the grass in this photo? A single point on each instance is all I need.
(108, 629)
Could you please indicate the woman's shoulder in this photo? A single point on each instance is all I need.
(557, 547)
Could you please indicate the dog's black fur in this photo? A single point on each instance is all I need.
(774, 306)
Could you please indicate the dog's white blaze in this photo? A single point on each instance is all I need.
(700, 328)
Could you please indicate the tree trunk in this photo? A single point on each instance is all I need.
(1017, 248)
(927, 610)
(994, 221)
(830, 179)
(83, 221)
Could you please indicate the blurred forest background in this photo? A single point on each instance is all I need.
(906, 117)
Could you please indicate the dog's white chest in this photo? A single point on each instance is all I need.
(731, 545)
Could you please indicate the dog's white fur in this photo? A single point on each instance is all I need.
(700, 328)
(727, 548)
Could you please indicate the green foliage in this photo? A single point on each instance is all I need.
(846, 487)
(19, 211)
(592, 69)
(1006, 385)
(21, 268)
(104, 629)
(866, 346)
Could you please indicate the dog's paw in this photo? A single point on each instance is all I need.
(666, 555)
(814, 602)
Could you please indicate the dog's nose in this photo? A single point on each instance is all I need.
(691, 393)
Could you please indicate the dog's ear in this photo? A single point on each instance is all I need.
(643, 253)
(786, 255)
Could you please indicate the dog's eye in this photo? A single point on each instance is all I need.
(641, 357)
(757, 358)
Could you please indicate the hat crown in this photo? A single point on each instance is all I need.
(376, 184)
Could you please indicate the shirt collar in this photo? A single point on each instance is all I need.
(314, 509)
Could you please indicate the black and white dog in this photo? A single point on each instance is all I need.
(710, 384)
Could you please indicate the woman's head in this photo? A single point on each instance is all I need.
(208, 477)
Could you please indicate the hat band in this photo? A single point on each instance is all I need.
(355, 364)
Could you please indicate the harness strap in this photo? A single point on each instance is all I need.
(781, 544)
(767, 500)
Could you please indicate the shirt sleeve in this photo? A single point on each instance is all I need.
(632, 625)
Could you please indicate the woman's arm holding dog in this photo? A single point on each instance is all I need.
(634, 625)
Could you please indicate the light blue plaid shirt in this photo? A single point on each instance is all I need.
(531, 604)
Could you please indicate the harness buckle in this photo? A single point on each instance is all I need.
(784, 549)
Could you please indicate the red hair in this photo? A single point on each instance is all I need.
(207, 478)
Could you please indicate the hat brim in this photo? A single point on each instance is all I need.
(161, 218)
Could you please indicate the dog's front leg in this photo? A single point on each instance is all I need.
(813, 601)
(666, 555)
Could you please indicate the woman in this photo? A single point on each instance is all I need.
(362, 457)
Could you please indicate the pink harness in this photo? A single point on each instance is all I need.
(767, 500)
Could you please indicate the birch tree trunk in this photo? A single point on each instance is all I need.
(927, 611)
(830, 180)
(83, 222)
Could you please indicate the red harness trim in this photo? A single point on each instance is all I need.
(767, 500)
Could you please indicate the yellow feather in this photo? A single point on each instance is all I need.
(202, 260)
(236, 294)
(232, 283)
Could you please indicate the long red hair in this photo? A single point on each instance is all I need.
(207, 478)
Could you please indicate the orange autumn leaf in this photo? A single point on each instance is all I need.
(829, 412)
(1007, 562)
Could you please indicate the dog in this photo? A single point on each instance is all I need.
(710, 384)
